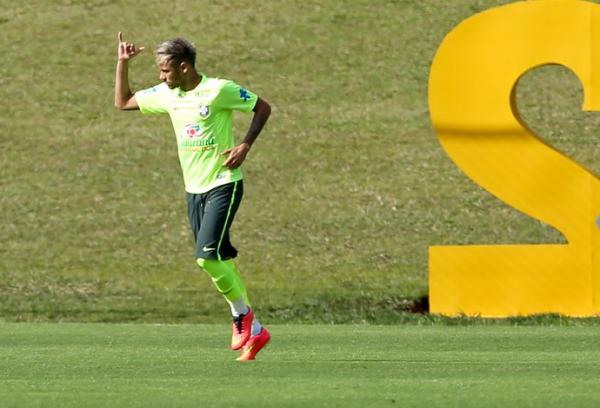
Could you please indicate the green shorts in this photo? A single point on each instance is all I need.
(211, 215)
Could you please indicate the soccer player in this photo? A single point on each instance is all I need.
(201, 109)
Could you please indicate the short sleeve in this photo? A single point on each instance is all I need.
(235, 97)
(152, 100)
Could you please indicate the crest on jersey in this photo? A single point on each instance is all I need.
(204, 111)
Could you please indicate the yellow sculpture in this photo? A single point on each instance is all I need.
(471, 99)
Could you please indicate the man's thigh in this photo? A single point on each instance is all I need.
(220, 207)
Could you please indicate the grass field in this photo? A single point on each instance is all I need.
(102, 365)
(346, 188)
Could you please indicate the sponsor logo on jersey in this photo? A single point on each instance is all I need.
(204, 111)
(194, 140)
(192, 130)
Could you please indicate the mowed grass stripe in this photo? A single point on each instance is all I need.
(315, 365)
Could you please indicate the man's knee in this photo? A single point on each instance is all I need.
(201, 262)
(221, 274)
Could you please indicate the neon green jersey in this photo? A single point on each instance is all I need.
(202, 122)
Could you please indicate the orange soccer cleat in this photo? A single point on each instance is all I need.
(241, 330)
(254, 345)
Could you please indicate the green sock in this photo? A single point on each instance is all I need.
(239, 281)
(224, 277)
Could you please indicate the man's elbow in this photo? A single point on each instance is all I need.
(264, 108)
(120, 103)
(126, 106)
(125, 103)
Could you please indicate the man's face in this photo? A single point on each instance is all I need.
(171, 73)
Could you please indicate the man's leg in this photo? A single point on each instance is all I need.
(239, 281)
(215, 255)
(213, 245)
(224, 278)
(208, 215)
(259, 336)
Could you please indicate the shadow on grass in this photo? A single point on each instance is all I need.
(365, 310)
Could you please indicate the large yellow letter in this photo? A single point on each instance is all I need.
(471, 98)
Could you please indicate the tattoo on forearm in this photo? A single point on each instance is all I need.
(258, 121)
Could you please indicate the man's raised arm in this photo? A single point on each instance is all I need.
(124, 98)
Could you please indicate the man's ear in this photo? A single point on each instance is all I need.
(184, 66)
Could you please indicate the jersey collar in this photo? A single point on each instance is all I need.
(203, 80)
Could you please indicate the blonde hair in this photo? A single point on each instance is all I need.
(177, 50)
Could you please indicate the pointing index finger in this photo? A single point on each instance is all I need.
(120, 36)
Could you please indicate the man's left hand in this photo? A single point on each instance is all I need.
(237, 155)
